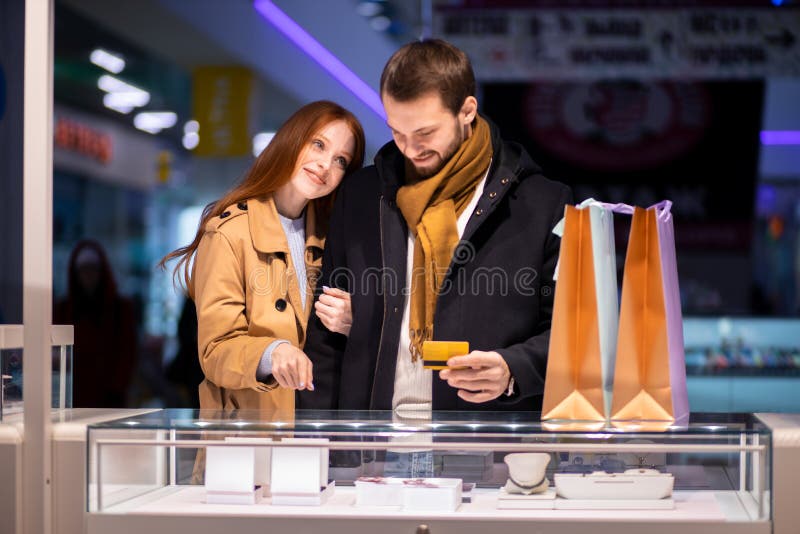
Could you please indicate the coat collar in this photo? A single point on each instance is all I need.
(508, 159)
(267, 231)
(268, 237)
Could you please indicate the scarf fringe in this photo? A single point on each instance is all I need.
(418, 337)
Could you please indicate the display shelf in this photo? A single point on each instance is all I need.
(724, 506)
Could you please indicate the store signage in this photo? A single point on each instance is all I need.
(536, 43)
(617, 126)
(79, 138)
(220, 104)
(641, 141)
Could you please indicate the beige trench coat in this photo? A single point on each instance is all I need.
(247, 296)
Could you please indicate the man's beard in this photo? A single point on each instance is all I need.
(426, 172)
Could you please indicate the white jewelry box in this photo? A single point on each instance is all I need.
(379, 491)
(415, 494)
(299, 475)
(230, 475)
(633, 484)
(432, 494)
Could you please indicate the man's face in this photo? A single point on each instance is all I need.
(426, 132)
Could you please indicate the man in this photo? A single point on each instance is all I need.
(446, 237)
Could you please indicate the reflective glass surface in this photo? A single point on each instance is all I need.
(367, 422)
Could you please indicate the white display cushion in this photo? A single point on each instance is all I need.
(263, 457)
(304, 498)
(633, 484)
(230, 469)
(518, 501)
(430, 494)
(299, 470)
(526, 472)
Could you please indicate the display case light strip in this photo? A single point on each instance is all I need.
(311, 47)
(508, 447)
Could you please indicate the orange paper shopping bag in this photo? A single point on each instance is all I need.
(650, 377)
(580, 359)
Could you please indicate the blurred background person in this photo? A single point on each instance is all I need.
(104, 356)
(184, 370)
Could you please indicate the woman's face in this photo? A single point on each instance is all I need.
(322, 163)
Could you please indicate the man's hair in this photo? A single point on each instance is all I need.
(430, 65)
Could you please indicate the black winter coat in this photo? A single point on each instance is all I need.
(498, 294)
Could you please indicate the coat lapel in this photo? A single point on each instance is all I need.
(315, 243)
(269, 238)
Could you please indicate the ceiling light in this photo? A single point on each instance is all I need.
(780, 137)
(155, 121)
(191, 127)
(260, 142)
(314, 49)
(190, 140)
(135, 99)
(369, 9)
(381, 23)
(107, 60)
(110, 84)
(117, 107)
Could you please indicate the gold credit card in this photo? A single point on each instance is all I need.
(436, 353)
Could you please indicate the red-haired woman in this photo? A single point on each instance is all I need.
(257, 255)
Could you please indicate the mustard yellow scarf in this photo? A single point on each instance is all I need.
(431, 208)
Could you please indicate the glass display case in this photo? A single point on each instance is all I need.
(732, 361)
(11, 341)
(742, 346)
(451, 471)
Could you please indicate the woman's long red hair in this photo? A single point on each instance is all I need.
(273, 169)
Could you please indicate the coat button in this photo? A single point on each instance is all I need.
(479, 212)
(242, 206)
(224, 214)
(492, 194)
(280, 305)
(504, 181)
(396, 309)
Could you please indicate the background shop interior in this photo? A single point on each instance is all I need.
(161, 105)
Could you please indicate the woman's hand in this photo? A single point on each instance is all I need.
(333, 309)
(292, 368)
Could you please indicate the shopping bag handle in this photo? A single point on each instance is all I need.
(627, 209)
(616, 208)
(663, 210)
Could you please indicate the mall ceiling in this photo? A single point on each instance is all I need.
(193, 33)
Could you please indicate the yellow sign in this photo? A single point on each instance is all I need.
(221, 101)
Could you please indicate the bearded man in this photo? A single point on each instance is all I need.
(448, 236)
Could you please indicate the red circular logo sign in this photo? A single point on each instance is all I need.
(616, 125)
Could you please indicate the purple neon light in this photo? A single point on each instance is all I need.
(780, 137)
(320, 54)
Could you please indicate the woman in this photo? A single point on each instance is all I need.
(103, 318)
(257, 255)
